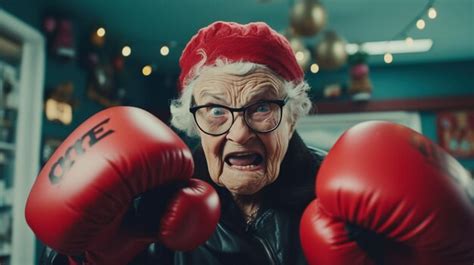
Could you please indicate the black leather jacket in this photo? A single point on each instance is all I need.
(272, 238)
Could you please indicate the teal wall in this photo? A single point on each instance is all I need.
(25, 10)
(410, 81)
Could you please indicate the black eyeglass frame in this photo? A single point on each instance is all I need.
(279, 102)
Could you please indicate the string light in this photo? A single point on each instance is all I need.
(432, 13)
(409, 42)
(420, 24)
(388, 58)
(164, 50)
(314, 68)
(299, 55)
(100, 32)
(126, 51)
(146, 70)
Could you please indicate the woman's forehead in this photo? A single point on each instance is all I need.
(221, 84)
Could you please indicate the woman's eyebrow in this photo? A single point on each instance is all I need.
(206, 95)
(265, 92)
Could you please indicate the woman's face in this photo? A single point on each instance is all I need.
(242, 160)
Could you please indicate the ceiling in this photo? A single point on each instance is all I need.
(148, 24)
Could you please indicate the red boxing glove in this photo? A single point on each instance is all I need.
(387, 195)
(80, 204)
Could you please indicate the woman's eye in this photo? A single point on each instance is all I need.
(264, 107)
(217, 111)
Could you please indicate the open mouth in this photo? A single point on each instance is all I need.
(244, 160)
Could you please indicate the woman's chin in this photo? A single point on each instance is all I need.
(244, 182)
(243, 190)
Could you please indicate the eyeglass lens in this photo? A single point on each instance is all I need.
(261, 117)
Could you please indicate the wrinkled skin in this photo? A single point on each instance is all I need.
(216, 87)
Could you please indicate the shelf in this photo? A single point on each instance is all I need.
(5, 250)
(423, 104)
(6, 203)
(20, 141)
(7, 146)
(6, 199)
(5, 206)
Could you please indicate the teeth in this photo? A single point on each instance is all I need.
(244, 167)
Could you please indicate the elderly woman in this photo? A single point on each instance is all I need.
(242, 93)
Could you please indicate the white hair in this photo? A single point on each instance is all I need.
(298, 103)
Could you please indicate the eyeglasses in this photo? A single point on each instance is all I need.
(263, 116)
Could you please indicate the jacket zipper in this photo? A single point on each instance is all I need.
(268, 250)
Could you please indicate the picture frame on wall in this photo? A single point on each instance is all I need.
(456, 132)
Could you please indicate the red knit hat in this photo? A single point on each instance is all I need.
(254, 42)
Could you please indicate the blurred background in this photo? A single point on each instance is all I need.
(408, 61)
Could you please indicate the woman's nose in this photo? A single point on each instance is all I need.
(240, 132)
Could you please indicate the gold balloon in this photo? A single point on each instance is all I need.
(302, 54)
(308, 17)
(331, 51)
